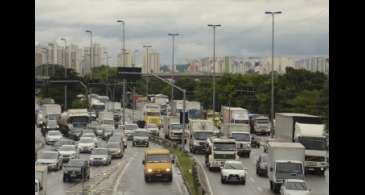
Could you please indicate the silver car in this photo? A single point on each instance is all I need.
(86, 144)
(52, 159)
(53, 136)
(100, 156)
(69, 152)
(294, 187)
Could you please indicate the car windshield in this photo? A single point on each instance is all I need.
(240, 121)
(79, 119)
(86, 140)
(67, 148)
(241, 136)
(108, 122)
(153, 113)
(77, 163)
(99, 151)
(235, 166)
(202, 135)
(313, 143)
(291, 168)
(52, 116)
(131, 127)
(151, 126)
(176, 126)
(262, 121)
(156, 158)
(113, 145)
(140, 133)
(54, 133)
(48, 155)
(296, 186)
(224, 146)
(108, 130)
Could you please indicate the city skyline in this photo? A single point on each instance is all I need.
(245, 28)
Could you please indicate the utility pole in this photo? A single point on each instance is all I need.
(134, 102)
(123, 101)
(65, 87)
(123, 40)
(172, 63)
(107, 74)
(91, 52)
(214, 26)
(272, 66)
(147, 65)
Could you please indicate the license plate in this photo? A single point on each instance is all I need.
(158, 175)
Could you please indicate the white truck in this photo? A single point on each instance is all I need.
(285, 161)
(236, 126)
(78, 118)
(96, 106)
(106, 118)
(172, 128)
(261, 125)
(219, 151)
(307, 130)
(41, 179)
(198, 133)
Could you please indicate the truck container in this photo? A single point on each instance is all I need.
(285, 161)
(41, 179)
(307, 130)
(194, 110)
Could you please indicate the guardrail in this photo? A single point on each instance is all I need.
(198, 172)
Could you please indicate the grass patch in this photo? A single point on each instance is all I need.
(186, 164)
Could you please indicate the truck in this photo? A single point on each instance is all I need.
(172, 128)
(177, 106)
(106, 118)
(260, 124)
(307, 130)
(151, 113)
(236, 126)
(219, 151)
(198, 133)
(194, 110)
(96, 106)
(285, 161)
(41, 179)
(51, 113)
(78, 118)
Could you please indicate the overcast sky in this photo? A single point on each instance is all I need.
(302, 29)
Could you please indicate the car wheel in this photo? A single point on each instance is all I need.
(146, 179)
(222, 180)
(170, 178)
(243, 182)
(65, 178)
(271, 188)
(257, 171)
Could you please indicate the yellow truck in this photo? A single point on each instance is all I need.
(152, 116)
(157, 164)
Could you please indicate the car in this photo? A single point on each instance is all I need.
(53, 136)
(117, 137)
(129, 128)
(116, 149)
(261, 165)
(52, 159)
(233, 171)
(91, 135)
(100, 156)
(84, 131)
(108, 132)
(157, 163)
(75, 133)
(140, 138)
(68, 152)
(76, 169)
(99, 131)
(152, 129)
(294, 187)
(63, 141)
(86, 144)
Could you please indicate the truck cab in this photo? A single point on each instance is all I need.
(261, 125)
(243, 142)
(219, 151)
(199, 132)
(175, 131)
(152, 114)
(157, 163)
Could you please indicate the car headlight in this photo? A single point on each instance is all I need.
(196, 143)
(149, 170)
(168, 170)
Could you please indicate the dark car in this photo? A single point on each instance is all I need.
(76, 169)
(261, 165)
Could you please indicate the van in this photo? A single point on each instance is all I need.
(157, 164)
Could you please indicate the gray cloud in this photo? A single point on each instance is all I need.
(302, 29)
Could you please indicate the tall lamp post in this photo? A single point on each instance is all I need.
(91, 51)
(147, 65)
(173, 35)
(272, 66)
(65, 87)
(123, 40)
(214, 26)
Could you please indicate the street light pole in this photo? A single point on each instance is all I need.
(91, 51)
(65, 87)
(272, 65)
(123, 40)
(147, 65)
(173, 35)
(214, 26)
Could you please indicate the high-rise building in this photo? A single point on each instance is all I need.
(153, 62)
(128, 58)
(314, 64)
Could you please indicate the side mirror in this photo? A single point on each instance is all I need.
(143, 162)
(271, 169)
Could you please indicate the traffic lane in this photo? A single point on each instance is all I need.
(218, 188)
(133, 183)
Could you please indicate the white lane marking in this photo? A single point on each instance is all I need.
(252, 180)
(121, 174)
(205, 175)
(179, 187)
(259, 189)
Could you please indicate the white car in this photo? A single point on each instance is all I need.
(233, 171)
(152, 129)
(294, 187)
(90, 135)
(53, 136)
(86, 144)
(129, 129)
(68, 152)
